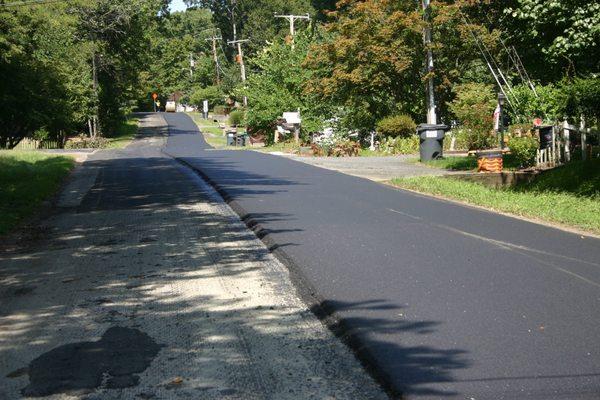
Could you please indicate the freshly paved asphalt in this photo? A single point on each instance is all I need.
(445, 301)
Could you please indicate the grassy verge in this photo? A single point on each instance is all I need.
(124, 135)
(27, 179)
(467, 163)
(569, 195)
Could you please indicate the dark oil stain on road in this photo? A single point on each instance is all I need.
(79, 368)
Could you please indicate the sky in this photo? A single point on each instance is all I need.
(177, 5)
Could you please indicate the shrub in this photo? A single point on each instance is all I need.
(236, 118)
(345, 148)
(335, 145)
(84, 142)
(397, 126)
(400, 145)
(474, 106)
(524, 149)
(41, 134)
(220, 110)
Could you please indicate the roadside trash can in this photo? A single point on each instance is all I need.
(490, 161)
(240, 140)
(545, 136)
(231, 139)
(431, 140)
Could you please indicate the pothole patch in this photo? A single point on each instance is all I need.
(78, 368)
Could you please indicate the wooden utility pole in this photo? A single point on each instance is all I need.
(215, 58)
(237, 42)
(292, 19)
(240, 60)
(431, 115)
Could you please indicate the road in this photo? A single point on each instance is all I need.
(143, 284)
(442, 300)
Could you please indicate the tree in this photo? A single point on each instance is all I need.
(118, 35)
(254, 19)
(45, 77)
(371, 62)
(277, 85)
(181, 35)
(555, 36)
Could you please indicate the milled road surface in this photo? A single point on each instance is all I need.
(145, 285)
(445, 301)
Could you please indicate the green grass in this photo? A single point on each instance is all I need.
(569, 195)
(282, 147)
(27, 179)
(467, 163)
(218, 142)
(124, 135)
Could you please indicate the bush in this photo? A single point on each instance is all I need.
(343, 148)
(397, 126)
(84, 142)
(41, 134)
(236, 118)
(220, 110)
(524, 149)
(474, 107)
(400, 145)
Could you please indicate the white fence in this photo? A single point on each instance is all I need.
(565, 139)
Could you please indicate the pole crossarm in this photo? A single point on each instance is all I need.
(238, 41)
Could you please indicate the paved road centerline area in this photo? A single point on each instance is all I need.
(145, 285)
(441, 299)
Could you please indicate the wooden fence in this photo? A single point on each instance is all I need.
(566, 139)
(31, 144)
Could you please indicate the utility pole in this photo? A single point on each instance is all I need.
(431, 115)
(292, 19)
(241, 61)
(237, 42)
(214, 39)
(192, 65)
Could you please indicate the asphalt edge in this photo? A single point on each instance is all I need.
(306, 291)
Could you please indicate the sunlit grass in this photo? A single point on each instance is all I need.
(26, 180)
(568, 195)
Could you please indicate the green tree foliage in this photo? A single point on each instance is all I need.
(44, 78)
(397, 125)
(277, 84)
(556, 35)
(254, 19)
(71, 63)
(372, 60)
(179, 36)
(213, 94)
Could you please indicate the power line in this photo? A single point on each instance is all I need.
(485, 56)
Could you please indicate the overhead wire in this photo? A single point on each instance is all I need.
(491, 68)
(492, 58)
(516, 60)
